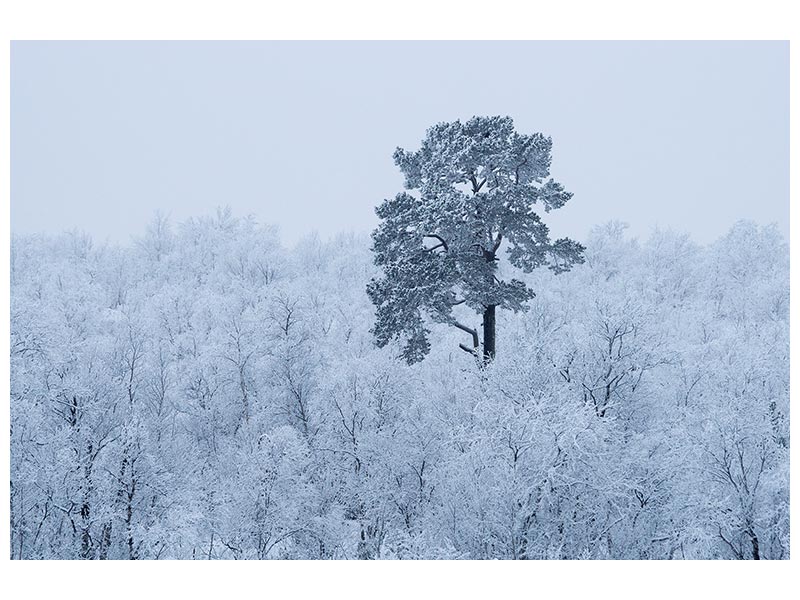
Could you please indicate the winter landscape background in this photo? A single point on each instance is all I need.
(291, 376)
(209, 393)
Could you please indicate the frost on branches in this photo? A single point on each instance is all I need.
(473, 188)
(206, 393)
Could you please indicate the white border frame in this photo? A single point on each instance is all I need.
(407, 20)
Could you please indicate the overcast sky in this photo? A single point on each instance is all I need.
(692, 136)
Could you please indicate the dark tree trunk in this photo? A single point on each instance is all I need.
(754, 544)
(105, 542)
(489, 332)
(86, 537)
(489, 310)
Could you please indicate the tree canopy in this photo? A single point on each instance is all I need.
(210, 393)
(472, 188)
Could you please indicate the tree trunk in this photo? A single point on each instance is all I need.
(754, 543)
(86, 537)
(489, 310)
(489, 332)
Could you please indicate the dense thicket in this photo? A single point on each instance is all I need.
(206, 393)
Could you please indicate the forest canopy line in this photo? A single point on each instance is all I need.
(208, 393)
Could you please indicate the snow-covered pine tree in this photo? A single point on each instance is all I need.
(472, 189)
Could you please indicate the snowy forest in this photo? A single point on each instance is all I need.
(206, 392)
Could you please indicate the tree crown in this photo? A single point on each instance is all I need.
(472, 188)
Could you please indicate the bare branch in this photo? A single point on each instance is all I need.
(475, 340)
(437, 237)
(476, 187)
(497, 242)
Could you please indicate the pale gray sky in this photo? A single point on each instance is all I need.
(687, 135)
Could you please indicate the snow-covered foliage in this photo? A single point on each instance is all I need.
(474, 187)
(207, 393)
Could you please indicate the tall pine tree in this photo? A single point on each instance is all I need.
(472, 188)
